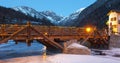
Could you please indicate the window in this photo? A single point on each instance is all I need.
(113, 19)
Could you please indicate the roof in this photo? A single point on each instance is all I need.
(114, 10)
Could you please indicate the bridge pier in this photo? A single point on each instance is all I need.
(16, 42)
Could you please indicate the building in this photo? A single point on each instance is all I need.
(114, 22)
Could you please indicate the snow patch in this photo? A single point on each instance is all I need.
(10, 42)
(75, 45)
(80, 10)
(112, 52)
(67, 58)
(62, 58)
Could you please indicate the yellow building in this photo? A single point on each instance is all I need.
(114, 22)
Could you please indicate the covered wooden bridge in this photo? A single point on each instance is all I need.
(50, 36)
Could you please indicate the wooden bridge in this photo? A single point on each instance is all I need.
(51, 36)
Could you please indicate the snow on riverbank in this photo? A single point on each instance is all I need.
(61, 58)
(29, 59)
(112, 52)
(21, 53)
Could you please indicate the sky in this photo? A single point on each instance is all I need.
(61, 7)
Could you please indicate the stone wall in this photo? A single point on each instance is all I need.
(115, 41)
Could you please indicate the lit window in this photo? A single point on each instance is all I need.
(111, 19)
(114, 18)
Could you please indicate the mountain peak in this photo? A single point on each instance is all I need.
(52, 14)
(23, 7)
(28, 11)
(81, 9)
(18, 8)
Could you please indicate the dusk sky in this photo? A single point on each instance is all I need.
(61, 7)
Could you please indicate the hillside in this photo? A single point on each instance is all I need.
(10, 16)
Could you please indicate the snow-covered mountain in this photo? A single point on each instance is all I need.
(29, 11)
(49, 15)
(52, 16)
(70, 18)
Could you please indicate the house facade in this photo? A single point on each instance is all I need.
(114, 22)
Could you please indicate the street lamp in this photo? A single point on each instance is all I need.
(88, 29)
